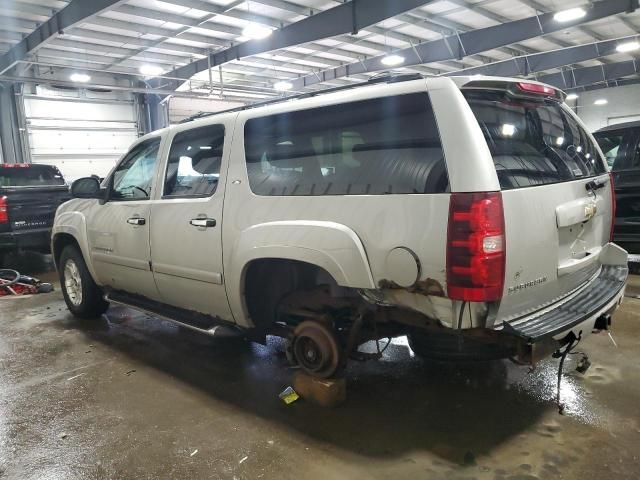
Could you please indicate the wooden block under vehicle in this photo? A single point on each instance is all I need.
(326, 392)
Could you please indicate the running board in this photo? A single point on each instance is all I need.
(198, 322)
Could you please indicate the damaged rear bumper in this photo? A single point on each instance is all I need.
(600, 297)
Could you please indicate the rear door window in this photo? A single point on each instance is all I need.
(533, 142)
(386, 145)
(29, 175)
(193, 169)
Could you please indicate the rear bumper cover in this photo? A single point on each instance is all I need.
(601, 296)
(37, 238)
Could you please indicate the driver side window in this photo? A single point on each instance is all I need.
(133, 178)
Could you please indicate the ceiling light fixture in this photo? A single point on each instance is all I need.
(628, 47)
(569, 15)
(79, 77)
(392, 60)
(572, 96)
(601, 101)
(256, 32)
(150, 70)
(283, 86)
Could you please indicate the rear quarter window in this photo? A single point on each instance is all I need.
(533, 142)
(386, 145)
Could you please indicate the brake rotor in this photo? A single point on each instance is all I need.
(316, 349)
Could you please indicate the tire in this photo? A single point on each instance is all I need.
(81, 294)
(448, 347)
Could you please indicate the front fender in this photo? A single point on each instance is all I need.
(331, 246)
(72, 221)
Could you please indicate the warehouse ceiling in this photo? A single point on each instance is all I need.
(209, 47)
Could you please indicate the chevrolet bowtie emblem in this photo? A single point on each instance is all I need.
(590, 211)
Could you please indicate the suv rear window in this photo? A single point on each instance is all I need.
(381, 146)
(29, 175)
(533, 142)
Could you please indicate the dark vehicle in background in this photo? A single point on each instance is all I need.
(621, 146)
(29, 197)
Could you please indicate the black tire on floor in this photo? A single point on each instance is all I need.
(447, 347)
(81, 294)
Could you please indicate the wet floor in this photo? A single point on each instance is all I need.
(134, 397)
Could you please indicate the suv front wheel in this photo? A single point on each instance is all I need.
(81, 294)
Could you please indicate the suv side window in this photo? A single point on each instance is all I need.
(193, 169)
(133, 178)
(387, 145)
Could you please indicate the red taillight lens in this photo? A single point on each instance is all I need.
(475, 247)
(4, 213)
(613, 206)
(537, 88)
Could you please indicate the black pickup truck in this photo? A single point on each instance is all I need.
(621, 145)
(29, 197)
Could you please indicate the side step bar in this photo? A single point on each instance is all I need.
(198, 322)
(587, 303)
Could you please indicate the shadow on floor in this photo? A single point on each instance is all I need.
(27, 262)
(394, 406)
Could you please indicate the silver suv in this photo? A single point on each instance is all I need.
(471, 214)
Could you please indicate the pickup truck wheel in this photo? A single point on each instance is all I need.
(81, 294)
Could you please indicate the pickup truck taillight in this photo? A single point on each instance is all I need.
(613, 206)
(475, 247)
(4, 210)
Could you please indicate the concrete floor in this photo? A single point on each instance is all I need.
(134, 397)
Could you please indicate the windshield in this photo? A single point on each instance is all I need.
(533, 142)
(29, 175)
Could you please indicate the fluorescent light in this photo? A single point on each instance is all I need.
(628, 47)
(392, 60)
(283, 86)
(569, 15)
(151, 70)
(508, 130)
(601, 101)
(79, 77)
(256, 32)
(572, 96)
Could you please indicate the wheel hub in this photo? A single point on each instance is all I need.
(73, 282)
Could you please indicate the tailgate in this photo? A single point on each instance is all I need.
(556, 194)
(32, 208)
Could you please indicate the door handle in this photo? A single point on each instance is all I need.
(203, 222)
(136, 221)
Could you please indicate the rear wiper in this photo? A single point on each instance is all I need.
(592, 186)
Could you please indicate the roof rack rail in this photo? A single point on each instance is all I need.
(384, 77)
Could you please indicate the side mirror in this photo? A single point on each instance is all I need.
(87, 187)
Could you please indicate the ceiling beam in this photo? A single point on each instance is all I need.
(526, 65)
(75, 12)
(582, 77)
(348, 17)
(475, 41)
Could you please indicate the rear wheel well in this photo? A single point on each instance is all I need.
(60, 241)
(267, 281)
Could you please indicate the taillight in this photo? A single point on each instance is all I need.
(537, 88)
(613, 207)
(475, 247)
(4, 213)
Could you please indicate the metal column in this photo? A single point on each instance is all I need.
(12, 133)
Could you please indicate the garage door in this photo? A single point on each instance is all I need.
(81, 132)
